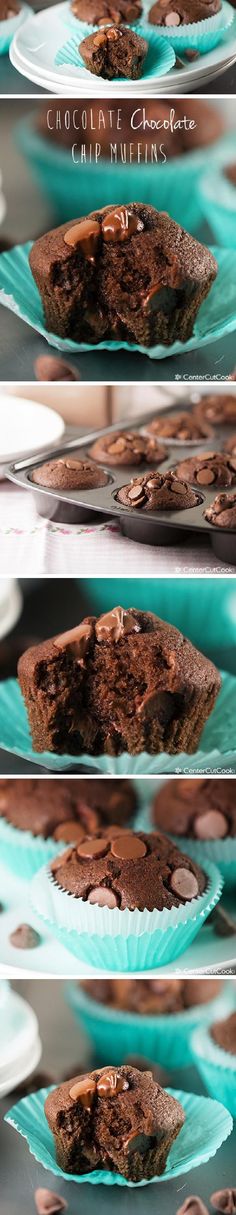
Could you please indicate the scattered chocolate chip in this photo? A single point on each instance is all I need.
(192, 1206)
(184, 884)
(103, 896)
(191, 55)
(223, 923)
(211, 826)
(224, 1200)
(47, 367)
(47, 1202)
(25, 937)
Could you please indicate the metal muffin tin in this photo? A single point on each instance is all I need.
(147, 527)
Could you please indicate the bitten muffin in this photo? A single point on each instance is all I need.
(126, 273)
(152, 997)
(126, 681)
(222, 512)
(209, 468)
(129, 870)
(224, 1034)
(178, 137)
(8, 9)
(201, 809)
(182, 12)
(157, 491)
(127, 447)
(116, 51)
(103, 12)
(61, 807)
(69, 473)
(183, 426)
(113, 1118)
(217, 408)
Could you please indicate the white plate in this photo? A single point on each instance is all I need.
(20, 1046)
(25, 427)
(36, 43)
(208, 954)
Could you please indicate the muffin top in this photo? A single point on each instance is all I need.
(224, 1034)
(219, 409)
(157, 491)
(103, 12)
(202, 808)
(222, 511)
(183, 12)
(65, 809)
(182, 426)
(209, 468)
(69, 473)
(128, 870)
(127, 447)
(152, 997)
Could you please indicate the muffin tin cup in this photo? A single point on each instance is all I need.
(221, 852)
(200, 36)
(24, 853)
(9, 28)
(217, 1068)
(122, 940)
(115, 1034)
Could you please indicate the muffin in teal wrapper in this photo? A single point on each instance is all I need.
(217, 197)
(207, 1125)
(217, 1068)
(160, 56)
(117, 1033)
(122, 940)
(200, 36)
(25, 853)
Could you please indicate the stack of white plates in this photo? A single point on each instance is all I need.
(26, 427)
(20, 1049)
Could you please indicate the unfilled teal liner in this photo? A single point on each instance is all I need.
(217, 198)
(217, 1068)
(207, 1125)
(23, 852)
(159, 60)
(9, 28)
(122, 940)
(116, 1034)
(19, 293)
(217, 744)
(221, 852)
(200, 36)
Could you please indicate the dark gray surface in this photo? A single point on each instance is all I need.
(20, 1174)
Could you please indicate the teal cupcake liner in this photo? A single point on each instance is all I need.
(201, 36)
(159, 60)
(221, 852)
(24, 853)
(9, 28)
(122, 940)
(217, 198)
(217, 1068)
(216, 752)
(19, 293)
(165, 1039)
(207, 1125)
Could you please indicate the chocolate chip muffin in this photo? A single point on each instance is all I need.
(230, 172)
(69, 473)
(209, 468)
(126, 273)
(104, 12)
(66, 809)
(183, 426)
(126, 681)
(113, 1118)
(224, 1034)
(114, 52)
(222, 512)
(127, 870)
(127, 447)
(217, 408)
(201, 809)
(152, 997)
(182, 12)
(157, 491)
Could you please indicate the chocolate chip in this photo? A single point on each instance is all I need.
(48, 368)
(115, 624)
(85, 235)
(172, 19)
(191, 55)
(205, 476)
(136, 493)
(84, 1091)
(110, 1083)
(210, 826)
(69, 831)
(76, 640)
(47, 1202)
(61, 860)
(184, 883)
(120, 224)
(25, 937)
(223, 923)
(192, 1206)
(178, 487)
(128, 848)
(117, 447)
(92, 849)
(103, 896)
(224, 1200)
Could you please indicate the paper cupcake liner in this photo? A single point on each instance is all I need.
(185, 603)
(217, 1068)
(165, 1039)
(23, 852)
(201, 36)
(9, 28)
(19, 293)
(207, 1125)
(217, 750)
(221, 852)
(122, 940)
(159, 60)
(217, 198)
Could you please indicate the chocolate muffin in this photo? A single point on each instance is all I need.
(209, 468)
(69, 473)
(127, 447)
(152, 997)
(8, 9)
(113, 1118)
(128, 273)
(63, 125)
(66, 809)
(217, 408)
(116, 51)
(224, 1034)
(182, 12)
(121, 869)
(180, 425)
(201, 809)
(104, 12)
(222, 512)
(157, 491)
(230, 172)
(126, 681)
